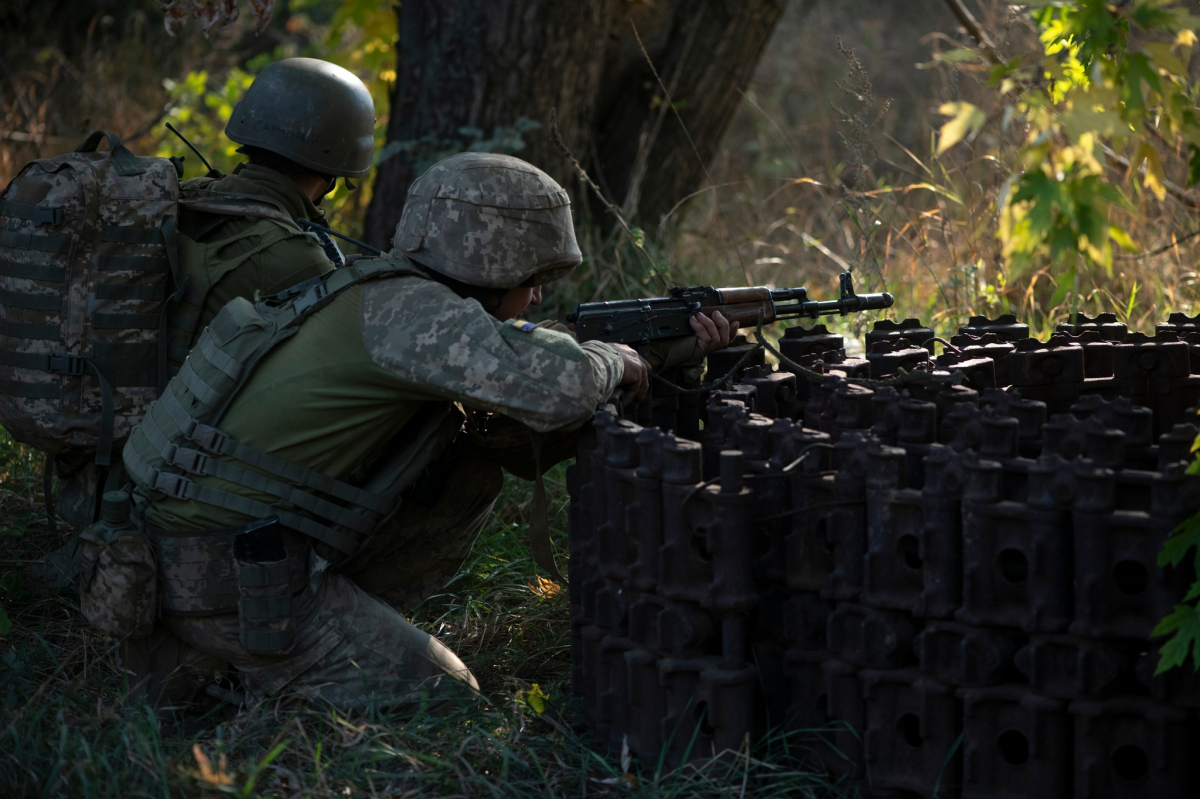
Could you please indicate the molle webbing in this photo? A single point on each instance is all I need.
(196, 571)
(177, 440)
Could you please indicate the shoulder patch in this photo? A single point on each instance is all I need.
(560, 344)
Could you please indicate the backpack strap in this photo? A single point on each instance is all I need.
(212, 377)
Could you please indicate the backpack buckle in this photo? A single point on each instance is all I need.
(190, 460)
(66, 364)
(310, 299)
(173, 485)
(47, 215)
(210, 438)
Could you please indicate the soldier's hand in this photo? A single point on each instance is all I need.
(636, 380)
(713, 333)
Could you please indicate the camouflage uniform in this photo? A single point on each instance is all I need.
(225, 257)
(373, 369)
(354, 377)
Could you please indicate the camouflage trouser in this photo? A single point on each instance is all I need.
(427, 545)
(352, 650)
(352, 647)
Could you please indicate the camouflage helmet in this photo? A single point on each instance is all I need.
(309, 111)
(489, 220)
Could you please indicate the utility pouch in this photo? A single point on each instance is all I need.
(265, 622)
(118, 576)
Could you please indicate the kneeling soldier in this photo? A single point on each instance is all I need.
(311, 456)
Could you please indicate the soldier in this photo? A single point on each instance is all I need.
(302, 124)
(349, 429)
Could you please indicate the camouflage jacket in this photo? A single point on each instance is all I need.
(362, 373)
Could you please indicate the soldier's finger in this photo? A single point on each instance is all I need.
(704, 329)
(723, 329)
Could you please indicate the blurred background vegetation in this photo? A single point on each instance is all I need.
(829, 162)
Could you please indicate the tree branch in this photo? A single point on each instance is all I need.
(977, 33)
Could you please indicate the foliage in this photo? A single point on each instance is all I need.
(356, 34)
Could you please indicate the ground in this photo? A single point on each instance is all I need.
(68, 729)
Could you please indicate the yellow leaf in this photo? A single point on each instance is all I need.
(1122, 238)
(1153, 175)
(965, 123)
(543, 588)
(536, 698)
(1186, 38)
(218, 777)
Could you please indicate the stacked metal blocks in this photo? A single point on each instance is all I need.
(943, 585)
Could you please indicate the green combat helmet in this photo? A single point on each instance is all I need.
(309, 111)
(489, 220)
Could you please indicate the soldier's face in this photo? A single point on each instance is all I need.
(515, 301)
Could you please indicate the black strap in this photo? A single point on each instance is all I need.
(111, 291)
(17, 388)
(104, 443)
(125, 321)
(37, 214)
(131, 234)
(34, 302)
(29, 330)
(35, 242)
(133, 263)
(51, 274)
(125, 162)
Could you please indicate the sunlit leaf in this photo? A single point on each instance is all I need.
(1153, 176)
(966, 122)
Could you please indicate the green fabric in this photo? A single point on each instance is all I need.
(351, 420)
(280, 266)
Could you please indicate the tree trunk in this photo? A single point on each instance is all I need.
(470, 73)
(466, 68)
(704, 53)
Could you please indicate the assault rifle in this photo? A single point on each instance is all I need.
(643, 321)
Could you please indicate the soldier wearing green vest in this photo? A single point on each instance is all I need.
(302, 124)
(317, 463)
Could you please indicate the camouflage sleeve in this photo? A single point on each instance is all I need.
(448, 347)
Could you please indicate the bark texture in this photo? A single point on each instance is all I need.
(466, 68)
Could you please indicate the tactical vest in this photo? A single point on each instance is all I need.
(180, 439)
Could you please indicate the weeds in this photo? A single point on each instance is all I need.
(68, 729)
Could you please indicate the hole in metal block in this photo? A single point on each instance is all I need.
(1131, 577)
(908, 727)
(1130, 762)
(908, 549)
(1013, 565)
(1013, 747)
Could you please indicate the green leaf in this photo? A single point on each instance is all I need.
(639, 237)
(966, 122)
(1183, 625)
(1193, 165)
(1183, 538)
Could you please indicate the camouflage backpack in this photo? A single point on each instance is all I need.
(89, 266)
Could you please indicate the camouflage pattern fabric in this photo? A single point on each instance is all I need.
(352, 650)
(83, 275)
(427, 336)
(118, 584)
(490, 220)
